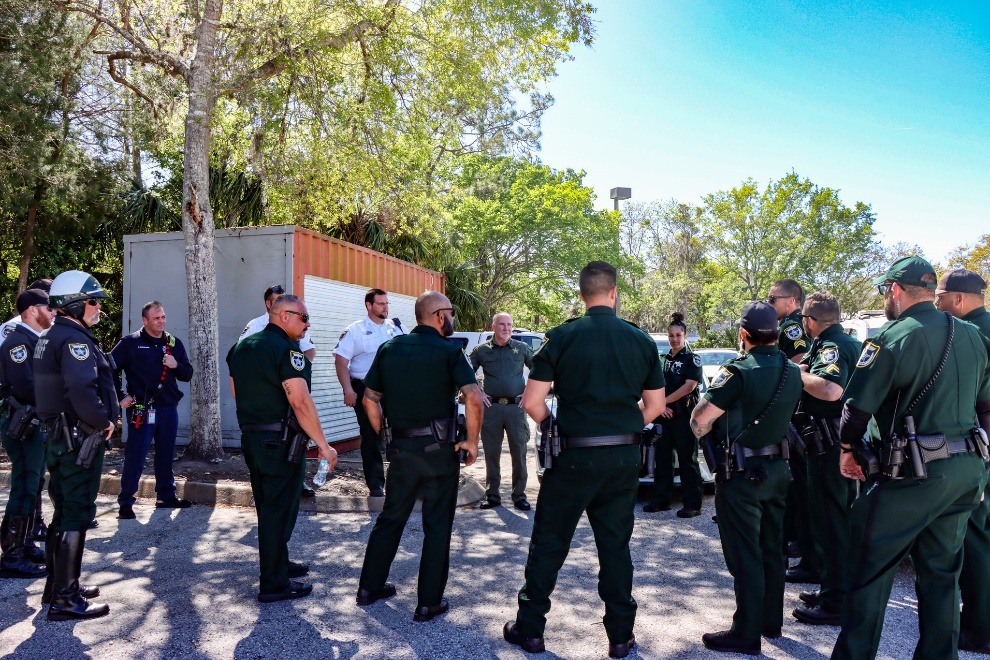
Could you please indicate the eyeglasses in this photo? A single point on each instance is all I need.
(808, 316)
(276, 289)
(302, 317)
(446, 309)
(883, 288)
(92, 302)
(772, 299)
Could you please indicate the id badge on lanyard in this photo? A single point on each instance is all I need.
(151, 415)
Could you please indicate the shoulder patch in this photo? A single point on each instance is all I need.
(697, 360)
(7, 329)
(869, 354)
(721, 378)
(19, 353)
(342, 335)
(793, 332)
(829, 355)
(79, 351)
(298, 360)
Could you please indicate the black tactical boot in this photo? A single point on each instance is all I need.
(51, 540)
(13, 562)
(67, 602)
(31, 550)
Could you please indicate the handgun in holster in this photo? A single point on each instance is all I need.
(914, 449)
(22, 419)
(89, 444)
(294, 437)
(549, 447)
(462, 454)
(385, 436)
(445, 433)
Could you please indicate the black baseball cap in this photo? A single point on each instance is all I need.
(45, 284)
(276, 289)
(758, 316)
(960, 280)
(30, 298)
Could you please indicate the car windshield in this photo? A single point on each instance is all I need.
(663, 346)
(716, 358)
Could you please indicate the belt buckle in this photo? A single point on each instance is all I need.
(503, 400)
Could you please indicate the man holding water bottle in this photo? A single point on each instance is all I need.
(268, 375)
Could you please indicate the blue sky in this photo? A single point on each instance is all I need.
(888, 102)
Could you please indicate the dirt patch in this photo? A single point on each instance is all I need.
(346, 479)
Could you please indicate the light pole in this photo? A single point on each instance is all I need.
(619, 194)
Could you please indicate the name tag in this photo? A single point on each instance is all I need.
(151, 415)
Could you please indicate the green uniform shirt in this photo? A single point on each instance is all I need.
(259, 364)
(899, 361)
(679, 368)
(503, 366)
(418, 376)
(980, 317)
(832, 356)
(600, 366)
(743, 387)
(792, 339)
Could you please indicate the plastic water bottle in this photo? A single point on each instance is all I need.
(320, 477)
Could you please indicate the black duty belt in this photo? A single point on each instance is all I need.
(572, 442)
(413, 432)
(769, 450)
(934, 443)
(261, 428)
(504, 400)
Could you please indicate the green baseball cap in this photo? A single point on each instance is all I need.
(909, 270)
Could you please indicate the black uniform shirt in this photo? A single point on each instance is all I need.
(17, 364)
(259, 364)
(792, 339)
(73, 375)
(140, 357)
(833, 356)
(600, 366)
(679, 368)
(743, 387)
(418, 376)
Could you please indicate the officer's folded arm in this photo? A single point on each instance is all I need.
(534, 399)
(297, 391)
(653, 403)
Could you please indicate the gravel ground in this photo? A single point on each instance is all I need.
(182, 584)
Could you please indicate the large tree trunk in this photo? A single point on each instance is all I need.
(198, 231)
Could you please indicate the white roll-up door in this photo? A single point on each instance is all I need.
(332, 307)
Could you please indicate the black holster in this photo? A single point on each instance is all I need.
(866, 457)
(549, 447)
(981, 443)
(717, 457)
(293, 437)
(88, 445)
(23, 420)
(447, 431)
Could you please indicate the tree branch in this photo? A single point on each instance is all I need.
(281, 61)
(122, 80)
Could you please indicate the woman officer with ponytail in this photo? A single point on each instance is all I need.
(682, 373)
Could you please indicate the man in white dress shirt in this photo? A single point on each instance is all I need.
(258, 324)
(353, 356)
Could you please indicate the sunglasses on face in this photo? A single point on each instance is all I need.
(446, 309)
(302, 317)
(92, 302)
(884, 288)
(772, 299)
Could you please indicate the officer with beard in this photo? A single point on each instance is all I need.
(76, 398)
(415, 377)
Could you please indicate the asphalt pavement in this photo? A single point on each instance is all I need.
(182, 584)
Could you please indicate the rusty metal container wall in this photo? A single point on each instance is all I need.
(329, 258)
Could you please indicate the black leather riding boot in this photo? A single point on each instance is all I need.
(51, 540)
(13, 562)
(67, 602)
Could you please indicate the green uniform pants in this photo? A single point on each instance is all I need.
(413, 473)
(928, 519)
(602, 481)
(277, 485)
(27, 465)
(974, 579)
(73, 489)
(510, 419)
(798, 513)
(830, 496)
(371, 447)
(677, 436)
(751, 524)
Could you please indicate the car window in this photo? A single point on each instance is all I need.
(663, 346)
(715, 359)
(460, 341)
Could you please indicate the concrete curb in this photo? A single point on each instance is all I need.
(239, 494)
